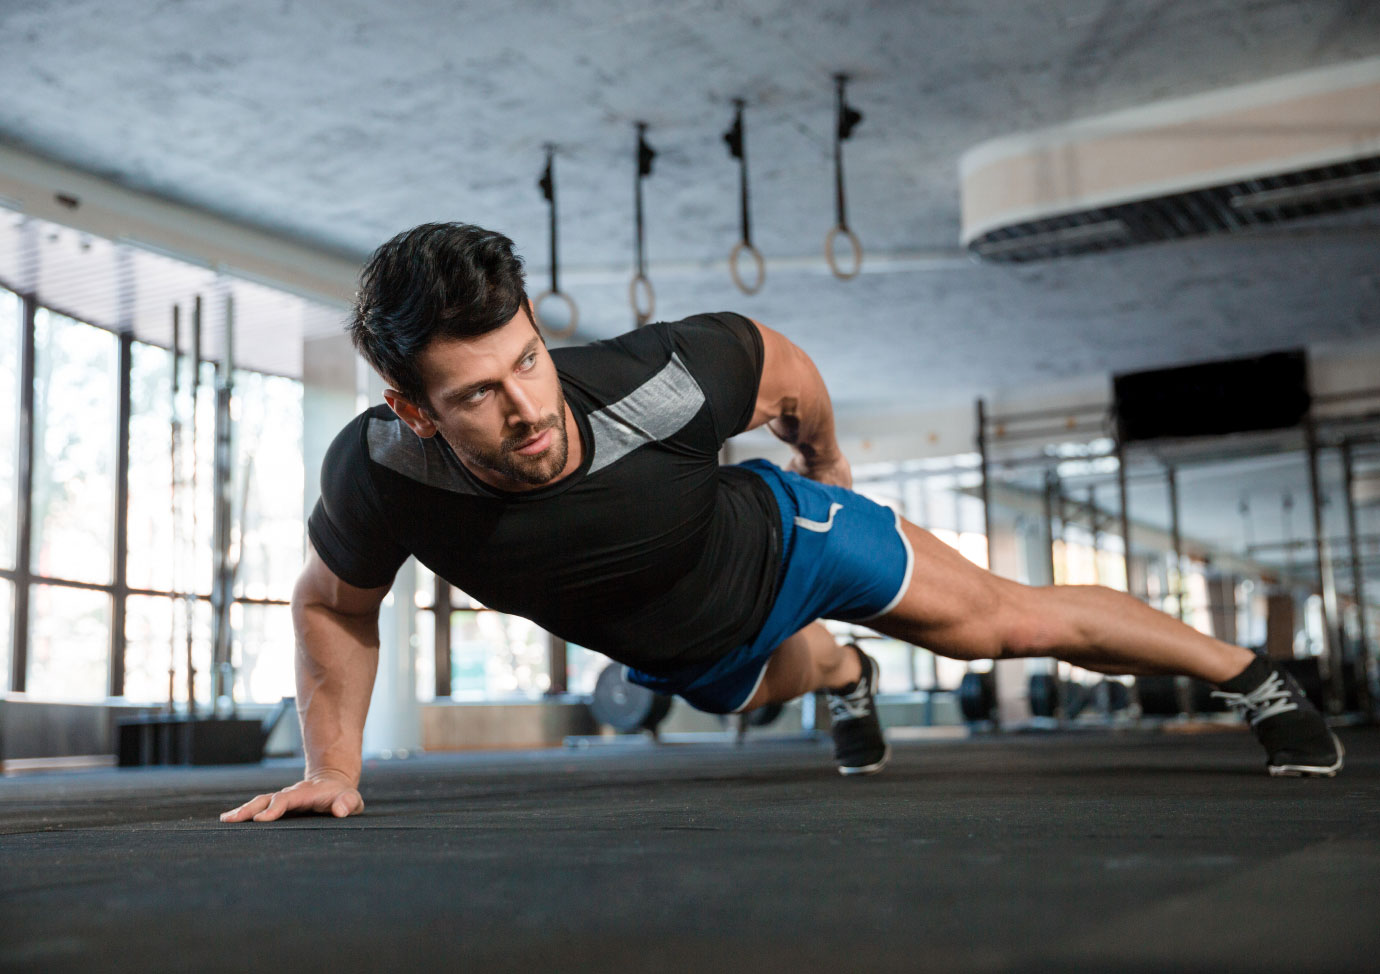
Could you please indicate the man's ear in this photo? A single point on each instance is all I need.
(409, 413)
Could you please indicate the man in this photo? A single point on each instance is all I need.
(581, 488)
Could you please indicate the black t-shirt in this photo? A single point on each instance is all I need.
(650, 552)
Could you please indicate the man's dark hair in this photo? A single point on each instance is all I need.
(436, 281)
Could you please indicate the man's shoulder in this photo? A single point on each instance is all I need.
(351, 442)
(638, 353)
(374, 438)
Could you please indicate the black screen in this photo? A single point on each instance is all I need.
(1212, 398)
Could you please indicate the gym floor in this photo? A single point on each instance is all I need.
(1076, 851)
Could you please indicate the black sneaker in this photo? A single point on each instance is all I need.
(1293, 732)
(859, 747)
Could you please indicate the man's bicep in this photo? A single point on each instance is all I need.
(782, 364)
(319, 585)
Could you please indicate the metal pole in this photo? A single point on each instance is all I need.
(1095, 527)
(1125, 516)
(440, 611)
(175, 499)
(1365, 664)
(24, 480)
(189, 601)
(986, 489)
(557, 668)
(986, 486)
(1332, 648)
(124, 265)
(1052, 490)
(121, 576)
(1054, 507)
(221, 594)
(1172, 480)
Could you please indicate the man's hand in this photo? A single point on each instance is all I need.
(325, 793)
(826, 469)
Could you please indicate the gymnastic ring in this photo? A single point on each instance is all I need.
(569, 330)
(642, 316)
(853, 241)
(761, 276)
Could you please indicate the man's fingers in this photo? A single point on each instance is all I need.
(346, 804)
(280, 804)
(247, 810)
(328, 798)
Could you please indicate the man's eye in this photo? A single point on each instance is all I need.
(529, 361)
(477, 395)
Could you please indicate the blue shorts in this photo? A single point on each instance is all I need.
(843, 557)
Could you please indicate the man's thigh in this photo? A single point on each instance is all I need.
(951, 605)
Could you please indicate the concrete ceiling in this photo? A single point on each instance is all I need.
(340, 124)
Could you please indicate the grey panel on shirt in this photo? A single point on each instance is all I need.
(657, 409)
(393, 444)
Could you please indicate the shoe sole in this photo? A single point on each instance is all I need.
(868, 768)
(1311, 770)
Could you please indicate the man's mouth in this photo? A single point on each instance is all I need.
(536, 445)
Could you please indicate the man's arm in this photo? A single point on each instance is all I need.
(337, 627)
(793, 402)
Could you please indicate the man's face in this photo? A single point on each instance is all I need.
(498, 402)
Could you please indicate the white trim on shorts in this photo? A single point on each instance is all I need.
(895, 601)
(753, 692)
(905, 580)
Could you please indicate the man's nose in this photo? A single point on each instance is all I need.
(523, 407)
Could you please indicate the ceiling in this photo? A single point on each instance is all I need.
(340, 124)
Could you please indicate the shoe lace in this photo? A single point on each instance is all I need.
(844, 708)
(1270, 698)
(852, 705)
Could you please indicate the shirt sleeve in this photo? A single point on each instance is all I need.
(724, 352)
(348, 527)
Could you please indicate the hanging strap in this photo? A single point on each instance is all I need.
(737, 148)
(547, 184)
(641, 286)
(847, 119)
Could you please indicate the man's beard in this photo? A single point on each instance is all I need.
(532, 471)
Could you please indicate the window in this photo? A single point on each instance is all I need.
(76, 393)
(69, 644)
(68, 575)
(11, 313)
(495, 655)
(156, 642)
(6, 629)
(268, 484)
(583, 667)
(263, 652)
(151, 554)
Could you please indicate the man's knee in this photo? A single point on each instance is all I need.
(1034, 622)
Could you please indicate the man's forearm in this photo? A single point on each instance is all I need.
(804, 416)
(337, 659)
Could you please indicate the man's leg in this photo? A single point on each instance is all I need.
(807, 661)
(958, 609)
(812, 660)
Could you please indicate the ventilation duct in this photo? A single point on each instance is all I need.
(1260, 154)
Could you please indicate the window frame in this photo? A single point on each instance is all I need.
(22, 576)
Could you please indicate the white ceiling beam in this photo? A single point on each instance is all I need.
(52, 191)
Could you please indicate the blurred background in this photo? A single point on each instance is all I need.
(1093, 284)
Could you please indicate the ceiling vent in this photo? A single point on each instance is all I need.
(1261, 154)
